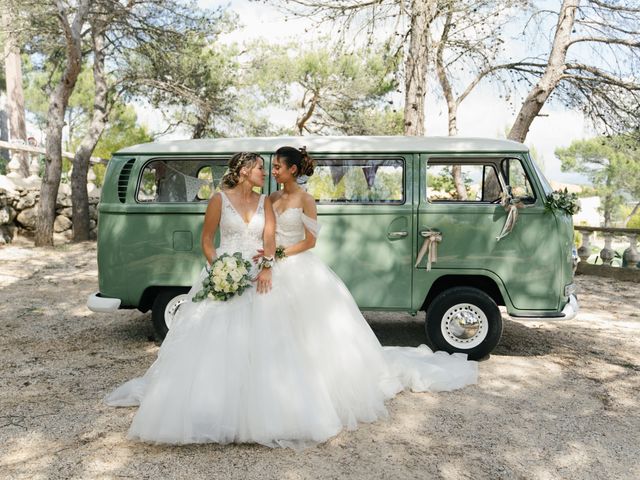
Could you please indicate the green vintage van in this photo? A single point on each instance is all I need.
(409, 223)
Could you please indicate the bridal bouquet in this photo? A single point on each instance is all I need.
(228, 276)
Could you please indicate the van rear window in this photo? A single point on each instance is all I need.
(358, 181)
(180, 181)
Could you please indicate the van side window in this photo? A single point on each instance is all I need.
(358, 181)
(180, 181)
(476, 183)
(517, 178)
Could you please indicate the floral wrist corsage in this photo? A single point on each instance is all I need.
(280, 253)
(266, 262)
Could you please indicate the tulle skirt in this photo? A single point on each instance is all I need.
(289, 368)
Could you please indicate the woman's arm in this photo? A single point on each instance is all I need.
(269, 246)
(269, 234)
(210, 227)
(309, 209)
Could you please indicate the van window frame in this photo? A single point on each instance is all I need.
(144, 165)
(365, 157)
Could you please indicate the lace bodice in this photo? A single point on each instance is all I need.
(235, 234)
(290, 226)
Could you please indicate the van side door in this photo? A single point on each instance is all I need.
(365, 207)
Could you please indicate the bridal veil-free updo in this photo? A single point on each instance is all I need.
(298, 157)
(236, 164)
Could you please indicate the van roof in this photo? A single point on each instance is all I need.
(322, 144)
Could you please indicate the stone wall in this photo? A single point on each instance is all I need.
(19, 210)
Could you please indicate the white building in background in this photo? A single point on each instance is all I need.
(589, 214)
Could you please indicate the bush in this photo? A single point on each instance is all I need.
(634, 222)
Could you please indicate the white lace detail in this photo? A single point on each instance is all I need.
(290, 226)
(238, 236)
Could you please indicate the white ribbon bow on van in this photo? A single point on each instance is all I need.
(430, 247)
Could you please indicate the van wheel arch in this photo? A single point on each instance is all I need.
(480, 282)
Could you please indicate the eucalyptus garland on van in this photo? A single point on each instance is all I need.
(562, 200)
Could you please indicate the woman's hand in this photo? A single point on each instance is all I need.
(259, 255)
(263, 281)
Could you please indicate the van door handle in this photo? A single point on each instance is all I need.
(428, 231)
(396, 235)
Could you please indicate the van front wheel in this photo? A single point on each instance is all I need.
(466, 320)
(165, 306)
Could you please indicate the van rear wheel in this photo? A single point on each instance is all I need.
(466, 320)
(165, 306)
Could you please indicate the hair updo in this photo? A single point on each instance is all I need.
(239, 161)
(298, 157)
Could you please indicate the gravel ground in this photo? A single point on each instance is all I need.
(554, 400)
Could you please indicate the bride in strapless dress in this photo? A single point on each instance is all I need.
(291, 367)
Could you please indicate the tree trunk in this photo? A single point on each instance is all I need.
(79, 195)
(15, 93)
(55, 122)
(552, 73)
(416, 62)
(302, 121)
(452, 104)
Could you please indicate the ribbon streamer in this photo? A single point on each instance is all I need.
(511, 208)
(430, 247)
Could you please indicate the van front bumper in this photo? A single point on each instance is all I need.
(97, 303)
(569, 312)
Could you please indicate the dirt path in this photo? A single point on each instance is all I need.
(554, 401)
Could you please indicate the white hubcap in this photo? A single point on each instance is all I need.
(172, 308)
(464, 326)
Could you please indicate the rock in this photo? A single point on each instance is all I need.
(28, 200)
(93, 234)
(93, 212)
(62, 238)
(66, 211)
(27, 218)
(92, 224)
(7, 232)
(7, 185)
(63, 200)
(61, 224)
(7, 214)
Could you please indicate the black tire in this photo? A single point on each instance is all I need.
(159, 307)
(446, 334)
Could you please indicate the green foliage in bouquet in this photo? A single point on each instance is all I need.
(562, 200)
(227, 277)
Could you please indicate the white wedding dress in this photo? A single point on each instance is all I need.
(289, 368)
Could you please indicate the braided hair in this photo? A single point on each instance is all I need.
(239, 161)
(298, 157)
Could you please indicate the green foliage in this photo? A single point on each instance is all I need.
(634, 222)
(563, 201)
(196, 83)
(612, 164)
(333, 92)
(444, 182)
